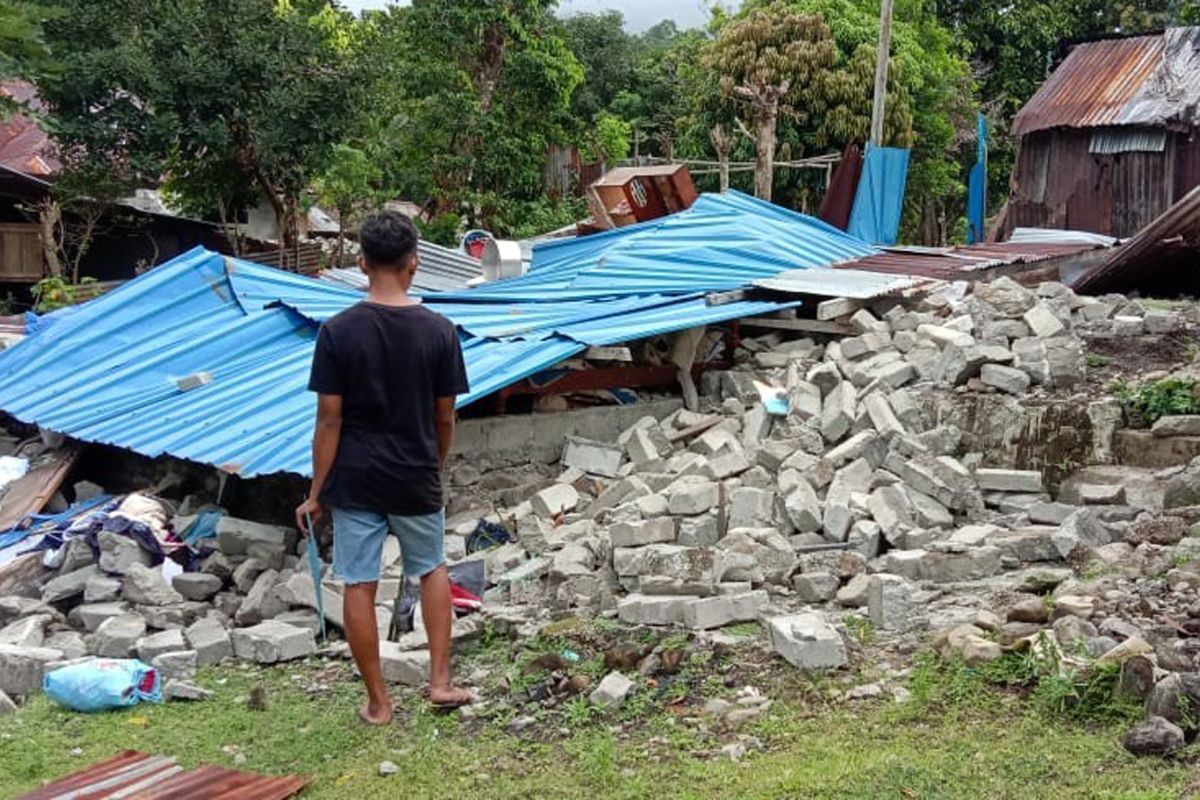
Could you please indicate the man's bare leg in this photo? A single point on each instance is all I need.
(436, 611)
(363, 636)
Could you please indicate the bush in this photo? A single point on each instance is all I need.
(1148, 402)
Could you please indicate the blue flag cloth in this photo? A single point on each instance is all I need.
(977, 188)
(875, 217)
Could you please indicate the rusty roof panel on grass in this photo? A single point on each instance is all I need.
(130, 775)
(1142, 80)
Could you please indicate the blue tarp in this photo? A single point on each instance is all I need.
(977, 187)
(880, 198)
(109, 371)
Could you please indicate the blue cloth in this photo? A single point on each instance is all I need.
(977, 187)
(875, 217)
(358, 538)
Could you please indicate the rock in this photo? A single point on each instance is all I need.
(1074, 606)
(638, 534)
(612, 691)
(7, 706)
(405, 667)
(22, 668)
(26, 632)
(262, 601)
(116, 636)
(90, 616)
(815, 587)
(803, 508)
(1006, 379)
(1043, 321)
(71, 643)
(238, 537)
(101, 589)
(247, 573)
(1042, 513)
(1136, 680)
(184, 690)
(837, 413)
(891, 508)
(198, 586)
(1160, 320)
(210, 640)
(554, 500)
(271, 642)
(641, 609)
(176, 665)
(594, 458)
(890, 602)
(1006, 296)
(119, 552)
(1033, 610)
(1177, 425)
(1009, 480)
(807, 641)
(969, 643)
(689, 498)
(1154, 737)
(68, 586)
(387, 769)
(146, 586)
(705, 613)
(751, 508)
(1133, 646)
(156, 644)
(856, 593)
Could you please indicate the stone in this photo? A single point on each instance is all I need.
(184, 690)
(815, 587)
(977, 650)
(90, 616)
(641, 448)
(803, 507)
(891, 509)
(838, 412)
(1006, 379)
(1042, 320)
(101, 589)
(7, 706)
(1032, 610)
(554, 500)
(262, 601)
(890, 602)
(1160, 320)
(387, 769)
(689, 498)
(1177, 425)
(25, 632)
(146, 586)
(699, 531)
(271, 642)
(117, 636)
(1043, 513)
(68, 586)
(751, 508)
(592, 457)
(235, 537)
(1136, 679)
(1074, 606)
(219, 564)
(1009, 480)
(639, 534)
(612, 691)
(1153, 737)
(882, 416)
(118, 552)
(807, 641)
(856, 593)
(705, 613)
(404, 667)
(641, 609)
(149, 647)
(209, 639)
(22, 668)
(1099, 494)
(70, 643)
(1006, 296)
(198, 586)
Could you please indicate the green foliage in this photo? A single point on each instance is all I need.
(350, 178)
(23, 49)
(860, 627)
(50, 294)
(608, 138)
(1150, 401)
(443, 230)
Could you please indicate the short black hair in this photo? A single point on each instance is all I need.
(388, 239)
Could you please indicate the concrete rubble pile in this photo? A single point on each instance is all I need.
(855, 502)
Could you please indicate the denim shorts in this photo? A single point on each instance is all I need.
(358, 538)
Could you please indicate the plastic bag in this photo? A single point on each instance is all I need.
(100, 684)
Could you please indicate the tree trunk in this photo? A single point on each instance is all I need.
(50, 220)
(722, 142)
(764, 151)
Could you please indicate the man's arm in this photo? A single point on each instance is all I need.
(326, 435)
(445, 428)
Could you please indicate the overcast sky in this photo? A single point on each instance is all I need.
(639, 14)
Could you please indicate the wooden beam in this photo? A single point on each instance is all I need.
(805, 325)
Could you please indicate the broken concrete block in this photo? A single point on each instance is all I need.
(176, 664)
(856, 592)
(101, 589)
(118, 552)
(807, 641)
(1006, 379)
(1160, 321)
(209, 639)
(691, 497)
(1009, 480)
(942, 337)
(815, 587)
(891, 508)
(803, 508)
(838, 412)
(235, 536)
(699, 531)
(726, 465)
(177, 689)
(68, 586)
(641, 448)
(805, 401)
(554, 500)
(751, 508)
(1006, 296)
(271, 642)
(1127, 326)
(594, 458)
(25, 632)
(405, 667)
(612, 691)
(638, 534)
(116, 637)
(890, 602)
(825, 376)
(641, 609)
(198, 586)
(882, 416)
(262, 601)
(1177, 425)
(146, 586)
(1042, 320)
(22, 668)
(154, 645)
(71, 643)
(705, 613)
(756, 427)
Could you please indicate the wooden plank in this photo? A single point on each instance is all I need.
(30, 493)
(694, 430)
(805, 325)
(838, 307)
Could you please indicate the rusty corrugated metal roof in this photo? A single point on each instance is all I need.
(1142, 80)
(24, 145)
(130, 775)
(963, 263)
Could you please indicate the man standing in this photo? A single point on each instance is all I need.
(386, 372)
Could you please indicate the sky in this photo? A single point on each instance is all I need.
(639, 14)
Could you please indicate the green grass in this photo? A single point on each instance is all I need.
(956, 738)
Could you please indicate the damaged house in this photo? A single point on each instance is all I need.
(1110, 141)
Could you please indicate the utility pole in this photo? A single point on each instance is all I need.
(881, 72)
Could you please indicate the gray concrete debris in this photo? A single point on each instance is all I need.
(807, 641)
(271, 642)
(612, 691)
(154, 645)
(176, 689)
(890, 602)
(815, 587)
(117, 636)
(7, 706)
(594, 458)
(22, 668)
(198, 586)
(68, 586)
(404, 667)
(118, 552)
(144, 585)
(209, 639)
(101, 589)
(638, 534)
(555, 500)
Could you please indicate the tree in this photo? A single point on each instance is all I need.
(348, 181)
(23, 49)
(766, 60)
(608, 56)
(222, 99)
(609, 138)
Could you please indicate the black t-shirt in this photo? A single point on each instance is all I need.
(389, 364)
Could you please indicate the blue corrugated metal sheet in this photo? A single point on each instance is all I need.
(108, 371)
